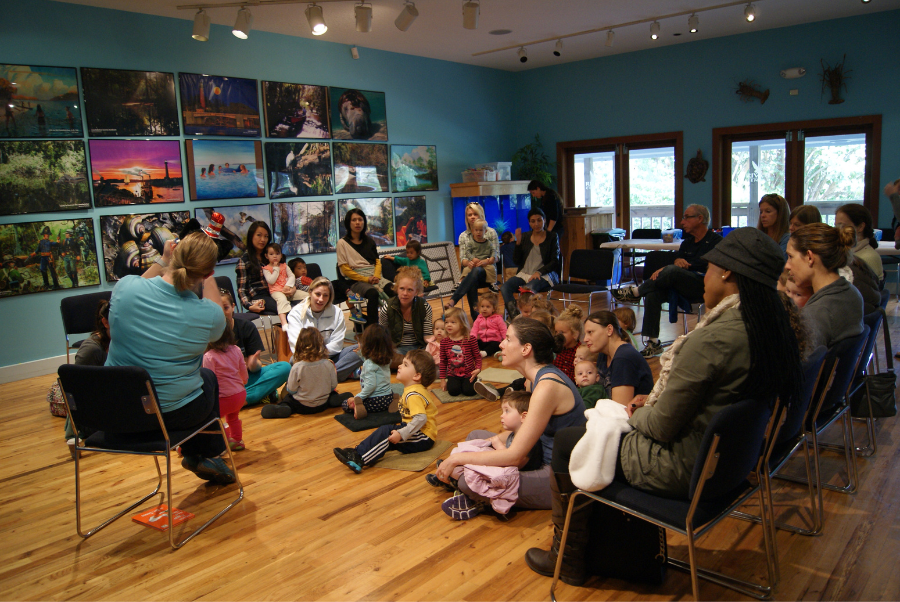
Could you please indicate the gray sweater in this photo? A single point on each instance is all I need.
(836, 311)
(311, 383)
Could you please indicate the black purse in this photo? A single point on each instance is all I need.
(880, 387)
(625, 546)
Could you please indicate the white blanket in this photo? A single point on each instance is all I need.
(592, 464)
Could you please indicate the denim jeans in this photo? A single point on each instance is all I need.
(468, 288)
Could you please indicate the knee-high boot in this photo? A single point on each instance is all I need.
(544, 562)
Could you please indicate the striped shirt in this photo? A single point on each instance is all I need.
(460, 358)
(409, 336)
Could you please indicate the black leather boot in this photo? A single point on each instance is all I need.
(544, 562)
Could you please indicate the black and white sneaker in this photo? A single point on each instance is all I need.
(494, 288)
(624, 294)
(486, 391)
(652, 349)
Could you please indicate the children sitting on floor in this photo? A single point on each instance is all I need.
(433, 343)
(489, 328)
(460, 356)
(500, 493)
(418, 410)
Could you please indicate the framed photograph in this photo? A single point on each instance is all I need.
(409, 215)
(225, 169)
(298, 169)
(132, 243)
(238, 219)
(219, 106)
(296, 110)
(44, 256)
(360, 167)
(358, 115)
(43, 175)
(129, 103)
(413, 168)
(379, 217)
(40, 102)
(302, 228)
(136, 172)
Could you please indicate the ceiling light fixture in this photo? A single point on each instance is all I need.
(865, 1)
(694, 23)
(750, 12)
(654, 30)
(471, 10)
(610, 36)
(243, 23)
(523, 55)
(201, 26)
(363, 12)
(558, 50)
(406, 16)
(316, 19)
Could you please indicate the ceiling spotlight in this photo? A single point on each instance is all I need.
(316, 19)
(523, 55)
(354, 52)
(243, 23)
(471, 9)
(363, 14)
(201, 26)
(750, 12)
(654, 30)
(406, 16)
(610, 36)
(694, 23)
(865, 1)
(558, 50)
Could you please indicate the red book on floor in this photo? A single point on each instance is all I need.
(158, 517)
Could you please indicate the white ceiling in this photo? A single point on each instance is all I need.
(438, 32)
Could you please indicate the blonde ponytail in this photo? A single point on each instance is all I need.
(194, 258)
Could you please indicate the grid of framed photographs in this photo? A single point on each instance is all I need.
(324, 141)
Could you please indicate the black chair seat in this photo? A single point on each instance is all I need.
(579, 289)
(134, 442)
(672, 512)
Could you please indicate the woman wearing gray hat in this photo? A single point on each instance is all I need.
(815, 254)
(744, 347)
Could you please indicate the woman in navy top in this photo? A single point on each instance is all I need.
(623, 370)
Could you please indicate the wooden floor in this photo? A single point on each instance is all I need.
(309, 529)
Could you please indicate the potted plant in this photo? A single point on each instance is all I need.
(531, 163)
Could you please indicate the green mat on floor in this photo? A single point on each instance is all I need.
(413, 462)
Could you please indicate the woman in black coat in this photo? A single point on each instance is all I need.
(537, 254)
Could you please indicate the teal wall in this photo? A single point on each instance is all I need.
(691, 87)
(473, 115)
(461, 109)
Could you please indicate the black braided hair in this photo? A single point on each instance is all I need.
(775, 368)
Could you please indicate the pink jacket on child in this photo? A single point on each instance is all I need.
(500, 484)
(434, 348)
(492, 328)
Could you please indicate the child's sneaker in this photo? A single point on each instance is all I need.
(498, 356)
(460, 507)
(434, 481)
(486, 391)
(236, 445)
(349, 457)
(483, 354)
(356, 302)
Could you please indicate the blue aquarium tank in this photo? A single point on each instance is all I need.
(502, 213)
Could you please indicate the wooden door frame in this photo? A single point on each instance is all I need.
(565, 159)
(722, 137)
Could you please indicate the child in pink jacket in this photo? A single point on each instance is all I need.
(489, 327)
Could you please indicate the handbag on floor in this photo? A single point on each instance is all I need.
(55, 399)
(625, 546)
(881, 390)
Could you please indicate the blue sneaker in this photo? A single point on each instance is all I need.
(209, 469)
(349, 457)
(460, 507)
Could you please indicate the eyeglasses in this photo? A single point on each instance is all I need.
(689, 216)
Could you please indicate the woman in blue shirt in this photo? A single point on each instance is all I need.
(622, 368)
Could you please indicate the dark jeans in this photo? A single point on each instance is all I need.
(271, 304)
(468, 288)
(376, 445)
(334, 401)
(460, 385)
(686, 283)
(563, 444)
(197, 412)
(512, 285)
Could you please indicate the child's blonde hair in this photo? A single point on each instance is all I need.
(441, 320)
(572, 317)
(455, 313)
(310, 346)
(543, 317)
(591, 356)
(626, 317)
(491, 298)
(479, 223)
(539, 302)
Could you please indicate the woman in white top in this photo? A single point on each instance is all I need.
(860, 219)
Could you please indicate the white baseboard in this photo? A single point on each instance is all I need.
(25, 370)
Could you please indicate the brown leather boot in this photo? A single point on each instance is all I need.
(544, 562)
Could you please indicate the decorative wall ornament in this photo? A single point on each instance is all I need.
(748, 90)
(696, 168)
(834, 78)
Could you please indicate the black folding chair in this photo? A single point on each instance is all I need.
(78, 313)
(119, 404)
(636, 258)
(732, 448)
(595, 267)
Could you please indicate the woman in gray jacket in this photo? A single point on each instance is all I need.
(743, 348)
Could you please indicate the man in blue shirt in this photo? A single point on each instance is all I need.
(685, 276)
